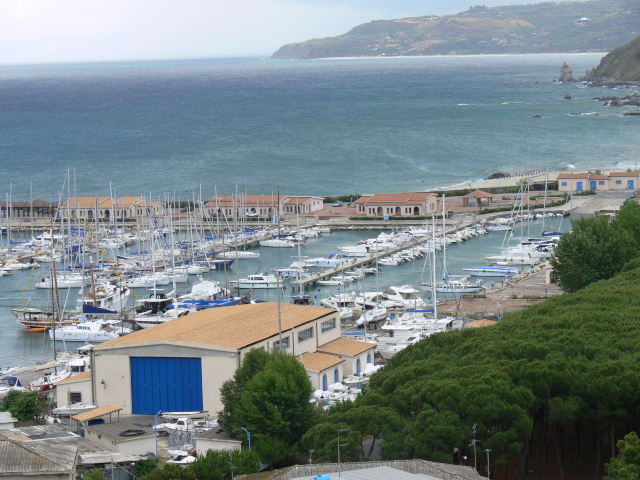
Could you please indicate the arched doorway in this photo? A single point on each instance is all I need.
(379, 211)
(324, 382)
(398, 211)
(358, 366)
(336, 376)
(416, 211)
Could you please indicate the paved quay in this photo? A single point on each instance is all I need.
(527, 289)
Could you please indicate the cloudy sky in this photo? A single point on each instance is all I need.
(43, 31)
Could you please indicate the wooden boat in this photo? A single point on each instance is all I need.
(41, 320)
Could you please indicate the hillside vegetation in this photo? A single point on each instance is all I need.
(619, 65)
(540, 28)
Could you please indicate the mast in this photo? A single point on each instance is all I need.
(433, 282)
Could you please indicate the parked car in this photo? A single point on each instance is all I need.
(337, 204)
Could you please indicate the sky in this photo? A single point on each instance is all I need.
(60, 31)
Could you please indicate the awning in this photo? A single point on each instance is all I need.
(96, 413)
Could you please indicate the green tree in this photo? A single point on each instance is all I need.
(594, 250)
(145, 466)
(216, 465)
(95, 474)
(271, 402)
(170, 471)
(628, 219)
(626, 466)
(22, 405)
(231, 391)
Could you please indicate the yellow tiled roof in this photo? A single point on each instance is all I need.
(97, 412)
(318, 362)
(237, 326)
(81, 376)
(344, 346)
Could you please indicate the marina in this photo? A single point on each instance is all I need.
(26, 348)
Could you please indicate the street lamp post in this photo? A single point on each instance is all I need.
(248, 437)
(340, 445)
(155, 427)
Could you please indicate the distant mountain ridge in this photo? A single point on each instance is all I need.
(541, 28)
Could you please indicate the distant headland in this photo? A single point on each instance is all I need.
(554, 27)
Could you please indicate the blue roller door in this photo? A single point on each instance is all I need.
(165, 383)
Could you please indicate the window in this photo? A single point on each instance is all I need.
(368, 358)
(564, 184)
(336, 376)
(618, 182)
(328, 325)
(601, 182)
(75, 397)
(285, 343)
(305, 335)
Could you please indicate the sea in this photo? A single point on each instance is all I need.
(315, 127)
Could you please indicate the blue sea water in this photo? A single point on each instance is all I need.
(310, 127)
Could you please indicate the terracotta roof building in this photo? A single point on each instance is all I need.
(107, 207)
(397, 205)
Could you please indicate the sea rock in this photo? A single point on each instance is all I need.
(537, 116)
(566, 74)
(629, 100)
(567, 97)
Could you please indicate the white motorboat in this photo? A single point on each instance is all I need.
(240, 254)
(461, 284)
(63, 280)
(333, 260)
(194, 414)
(7, 384)
(73, 409)
(294, 272)
(388, 261)
(344, 278)
(346, 313)
(204, 290)
(407, 295)
(354, 251)
(492, 271)
(87, 332)
(277, 243)
(374, 315)
(330, 283)
(191, 269)
(515, 257)
(266, 280)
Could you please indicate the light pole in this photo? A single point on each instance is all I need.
(310, 452)
(155, 427)
(248, 437)
(488, 464)
(340, 445)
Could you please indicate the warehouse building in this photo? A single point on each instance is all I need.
(180, 365)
